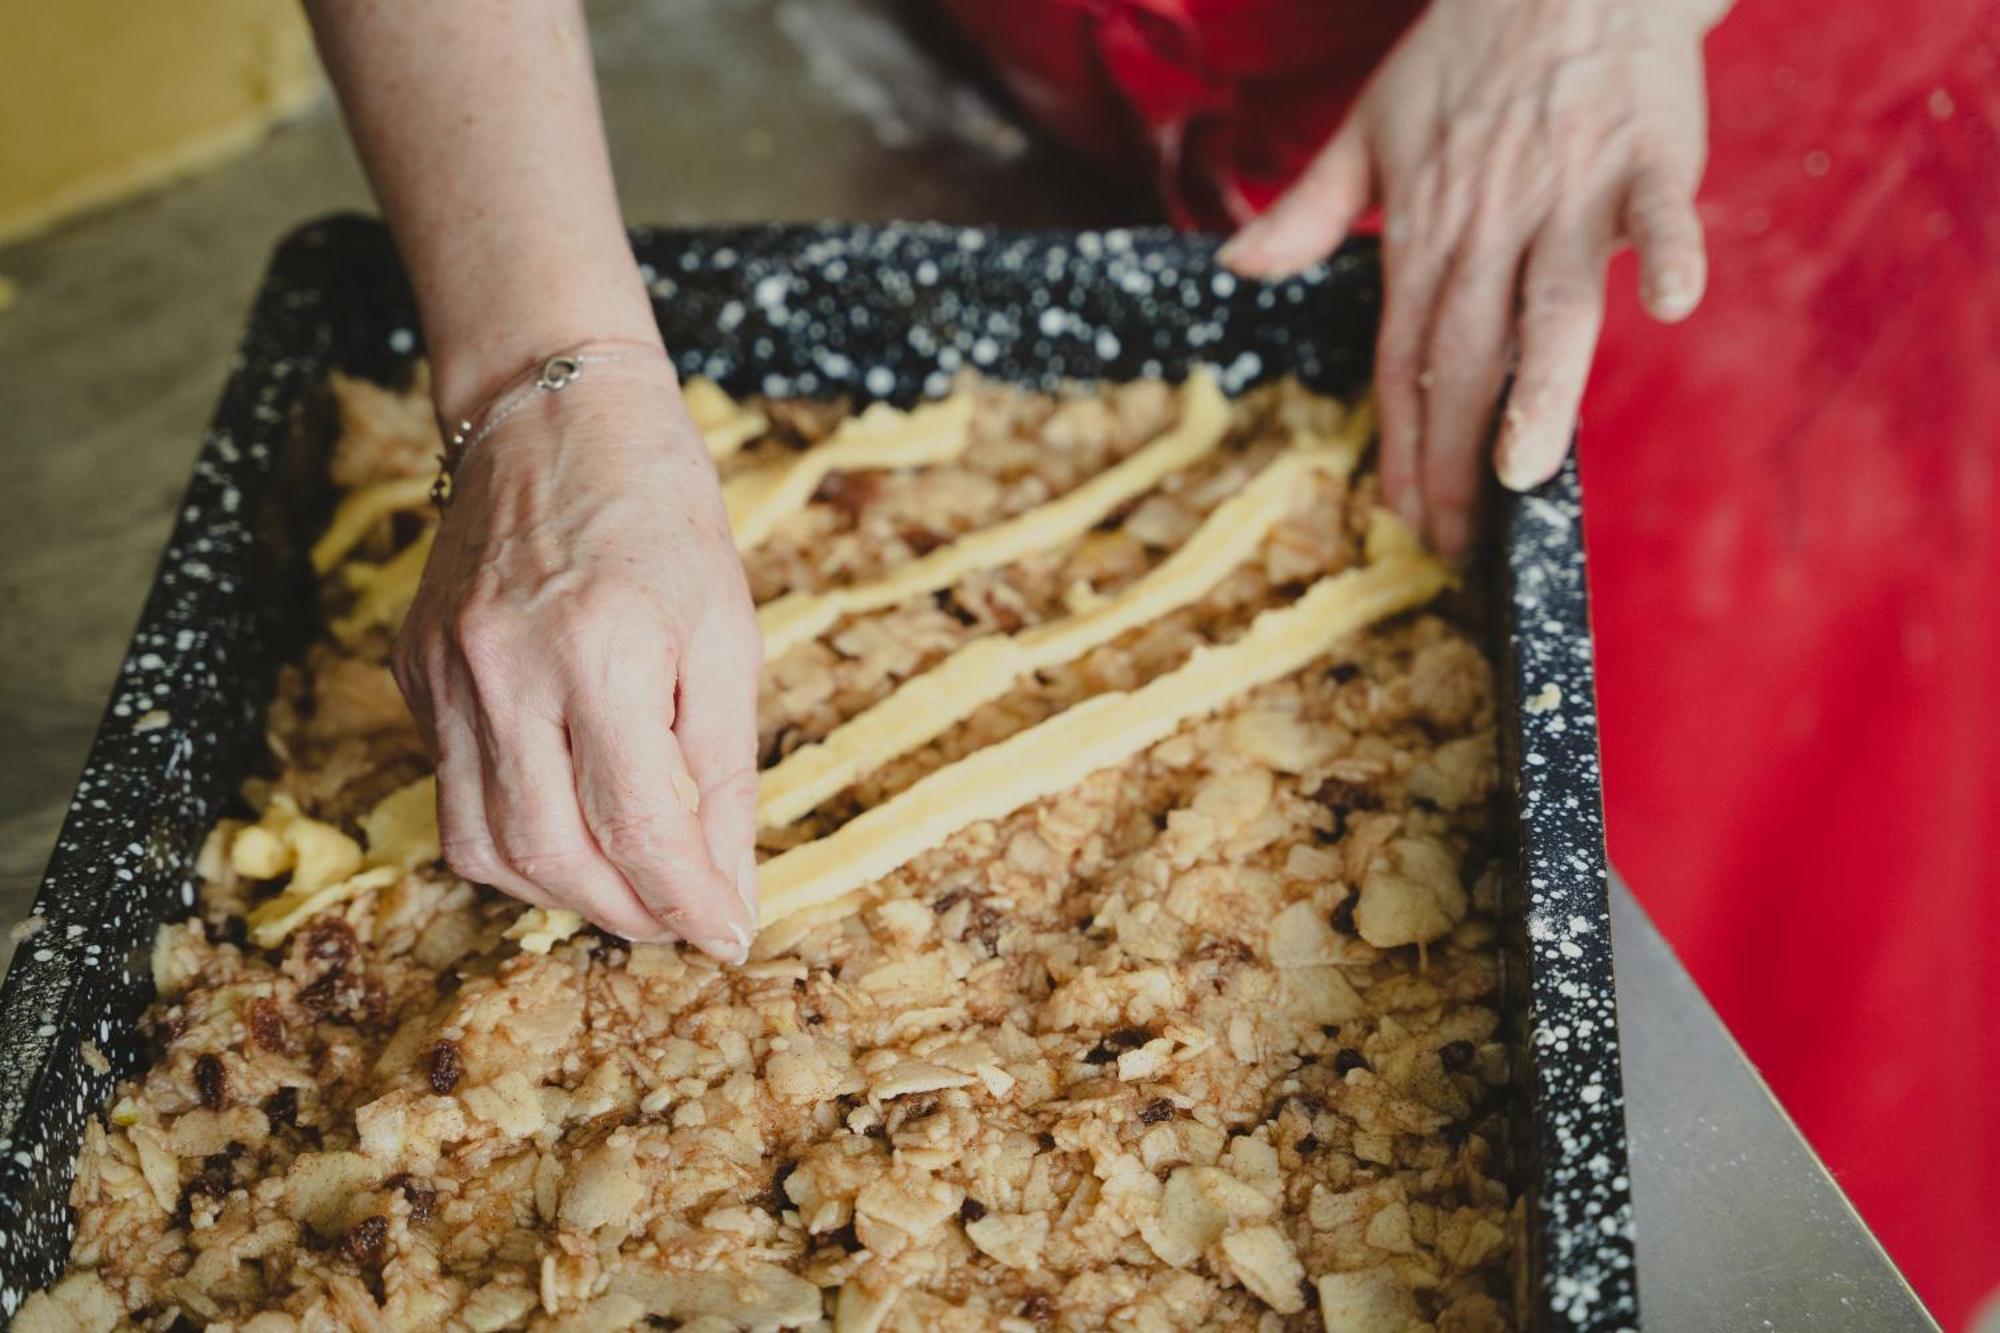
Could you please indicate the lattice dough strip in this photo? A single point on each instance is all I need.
(881, 437)
(797, 617)
(1098, 733)
(924, 708)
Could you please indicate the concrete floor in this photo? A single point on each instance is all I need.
(118, 345)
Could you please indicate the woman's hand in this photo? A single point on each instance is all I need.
(1512, 145)
(583, 659)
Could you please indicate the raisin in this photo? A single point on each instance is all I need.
(420, 1195)
(211, 1081)
(949, 605)
(266, 1024)
(364, 1242)
(1456, 1055)
(971, 1210)
(446, 1066)
(1307, 1145)
(1343, 915)
(281, 1108)
(1157, 1110)
(921, 540)
(779, 1199)
(331, 942)
(847, 493)
(1115, 1043)
(1348, 1060)
(1344, 796)
(984, 925)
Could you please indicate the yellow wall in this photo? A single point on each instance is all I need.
(103, 98)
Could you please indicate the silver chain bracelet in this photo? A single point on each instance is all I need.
(551, 376)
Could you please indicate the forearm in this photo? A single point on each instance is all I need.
(479, 127)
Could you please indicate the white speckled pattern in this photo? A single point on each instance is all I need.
(879, 312)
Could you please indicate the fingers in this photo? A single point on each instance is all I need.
(637, 798)
(1413, 265)
(1312, 217)
(717, 729)
(543, 843)
(1464, 363)
(1562, 308)
(1661, 222)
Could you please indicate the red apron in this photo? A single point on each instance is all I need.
(1793, 502)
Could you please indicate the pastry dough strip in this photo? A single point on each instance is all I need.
(881, 437)
(1097, 733)
(725, 425)
(362, 510)
(796, 617)
(924, 708)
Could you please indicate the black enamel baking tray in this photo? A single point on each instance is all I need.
(877, 312)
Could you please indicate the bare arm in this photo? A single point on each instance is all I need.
(583, 653)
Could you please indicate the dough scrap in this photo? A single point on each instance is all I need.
(881, 437)
(725, 424)
(540, 929)
(796, 617)
(924, 708)
(1108, 729)
(387, 591)
(362, 510)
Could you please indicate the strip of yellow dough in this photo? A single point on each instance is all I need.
(360, 511)
(389, 590)
(1098, 733)
(985, 669)
(725, 424)
(796, 617)
(881, 437)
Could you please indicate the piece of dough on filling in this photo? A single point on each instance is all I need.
(1097, 733)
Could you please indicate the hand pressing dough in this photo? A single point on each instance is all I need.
(881, 437)
(1098, 733)
(924, 708)
(797, 617)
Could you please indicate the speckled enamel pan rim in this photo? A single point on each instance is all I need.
(883, 312)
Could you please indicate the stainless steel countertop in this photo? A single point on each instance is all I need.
(1739, 1225)
(732, 110)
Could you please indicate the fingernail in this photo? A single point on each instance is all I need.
(1673, 295)
(746, 881)
(731, 948)
(1517, 473)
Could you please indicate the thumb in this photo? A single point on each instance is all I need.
(1312, 217)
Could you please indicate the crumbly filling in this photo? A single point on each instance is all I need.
(1208, 1039)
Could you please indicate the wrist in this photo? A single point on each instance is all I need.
(487, 334)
